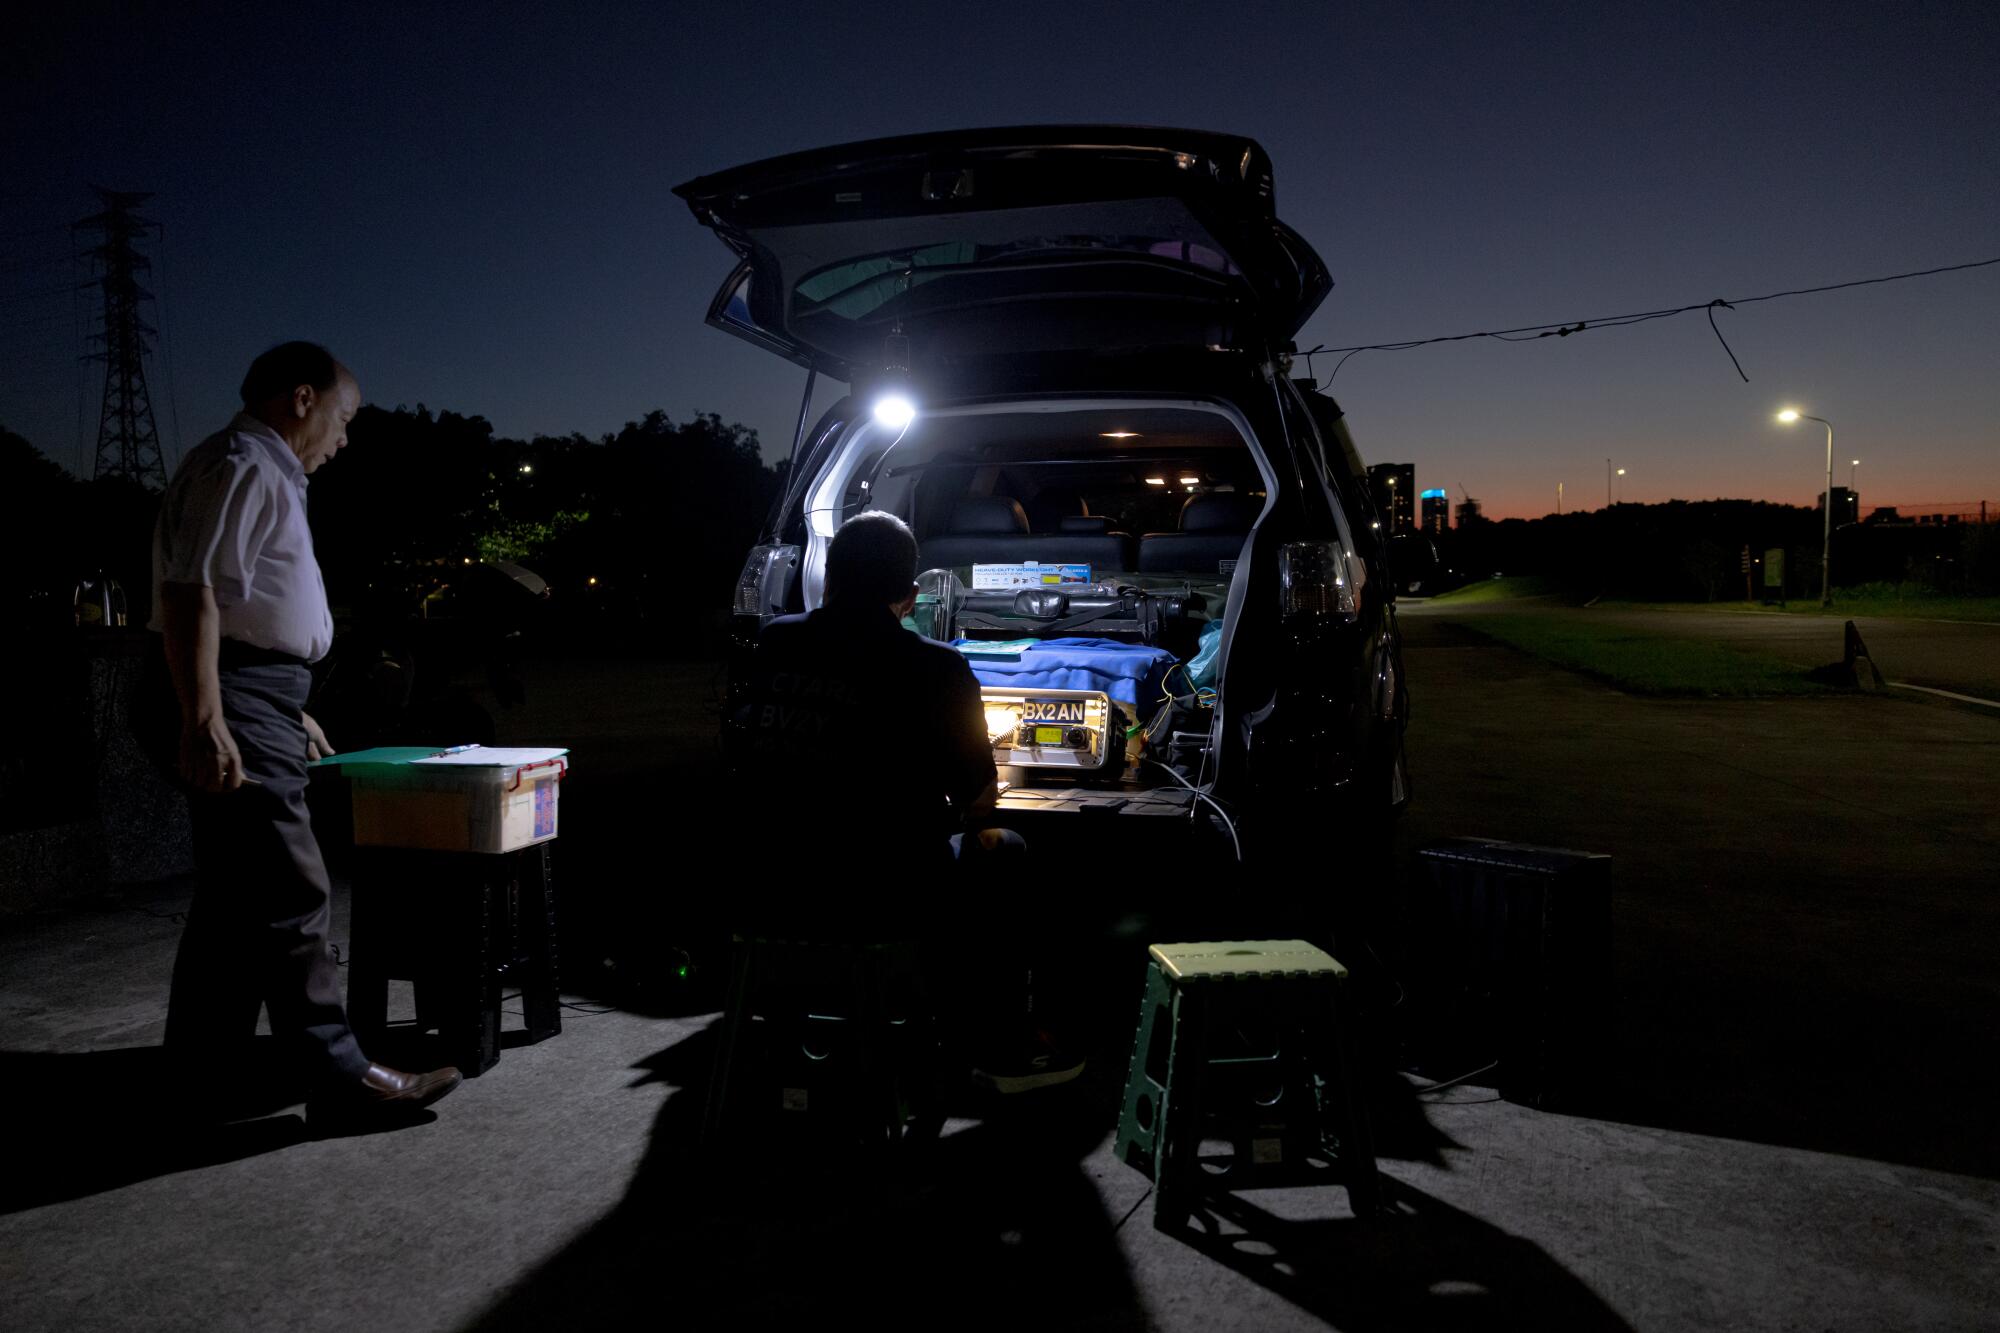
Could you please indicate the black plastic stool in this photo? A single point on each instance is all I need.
(848, 1045)
(461, 926)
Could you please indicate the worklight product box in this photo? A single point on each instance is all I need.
(469, 800)
(1029, 574)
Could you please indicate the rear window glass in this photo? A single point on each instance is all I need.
(856, 288)
(1134, 494)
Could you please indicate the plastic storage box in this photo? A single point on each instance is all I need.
(458, 807)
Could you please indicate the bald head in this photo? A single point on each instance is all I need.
(299, 390)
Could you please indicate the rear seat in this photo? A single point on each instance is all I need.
(1212, 530)
(994, 530)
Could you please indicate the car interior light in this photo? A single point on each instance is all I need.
(894, 411)
(1156, 481)
(1190, 481)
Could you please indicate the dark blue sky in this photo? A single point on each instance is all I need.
(471, 206)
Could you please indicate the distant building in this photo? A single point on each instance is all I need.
(1846, 505)
(1468, 512)
(1394, 488)
(1437, 512)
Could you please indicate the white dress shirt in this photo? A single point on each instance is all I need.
(234, 519)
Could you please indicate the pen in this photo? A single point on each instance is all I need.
(454, 749)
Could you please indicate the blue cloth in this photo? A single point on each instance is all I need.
(1201, 667)
(1128, 672)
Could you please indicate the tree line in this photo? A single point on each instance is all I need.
(644, 527)
(1693, 551)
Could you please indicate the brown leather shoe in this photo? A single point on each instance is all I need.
(382, 1094)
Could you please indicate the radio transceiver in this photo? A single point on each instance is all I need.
(1033, 728)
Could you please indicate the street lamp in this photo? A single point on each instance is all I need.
(1621, 484)
(1788, 416)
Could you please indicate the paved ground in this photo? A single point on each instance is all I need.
(1959, 656)
(1806, 888)
(1792, 1132)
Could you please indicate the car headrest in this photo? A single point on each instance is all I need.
(1052, 504)
(989, 513)
(1085, 523)
(1219, 513)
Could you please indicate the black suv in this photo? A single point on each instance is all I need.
(1069, 353)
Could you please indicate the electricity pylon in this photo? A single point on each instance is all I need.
(128, 440)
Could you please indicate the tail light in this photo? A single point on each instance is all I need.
(1319, 578)
(765, 584)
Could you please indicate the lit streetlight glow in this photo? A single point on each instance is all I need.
(1788, 416)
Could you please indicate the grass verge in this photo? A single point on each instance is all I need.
(1887, 599)
(1872, 599)
(1646, 663)
(1497, 590)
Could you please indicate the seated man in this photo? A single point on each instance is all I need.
(873, 741)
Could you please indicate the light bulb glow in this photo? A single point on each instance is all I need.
(1789, 415)
(894, 411)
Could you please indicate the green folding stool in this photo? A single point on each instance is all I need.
(1244, 1043)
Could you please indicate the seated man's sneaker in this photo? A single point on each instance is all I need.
(1038, 1063)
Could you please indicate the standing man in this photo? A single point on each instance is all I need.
(238, 599)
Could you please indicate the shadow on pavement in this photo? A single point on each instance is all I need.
(998, 1224)
(1424, 1264)
(81, 1123)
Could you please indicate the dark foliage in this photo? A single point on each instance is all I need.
(640, 530)
(659, 514)
(1692, 550)
(60, 529)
